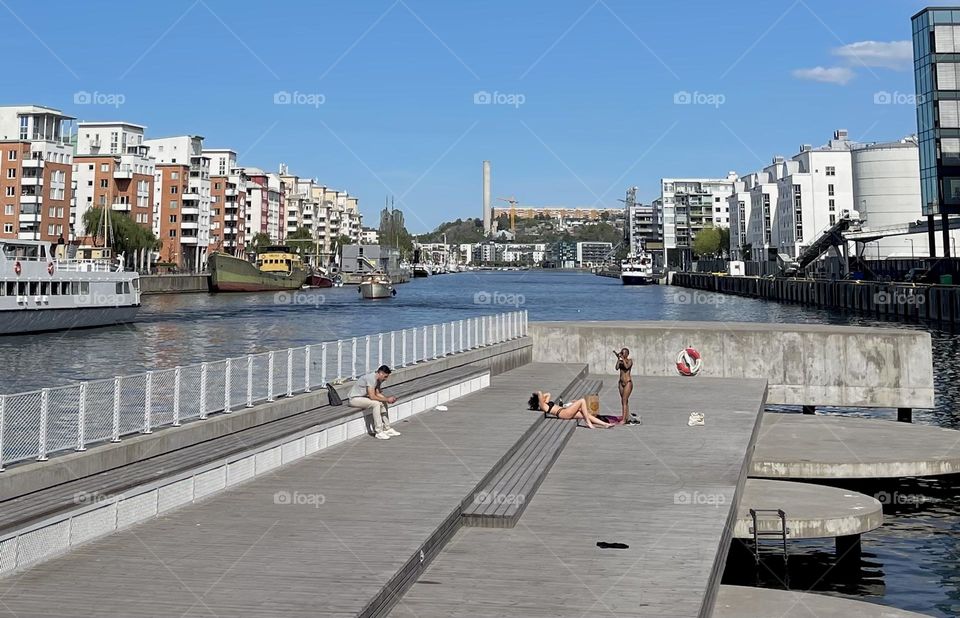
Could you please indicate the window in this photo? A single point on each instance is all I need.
(10, 191)
(830, 190)
(90, 167)
(104, 167)
(12, 172)
(24, 125)
(12, 155)
(173, 204)
(173, 233)
(832, 204)
(104, 183)
(8, 228)
(8, 209)
(831, 171)
(174, 176)
(949, 114)
(50, 230)
(174, 189)
(833, 219)
(89, 183)
(173, 218)
(84, 288)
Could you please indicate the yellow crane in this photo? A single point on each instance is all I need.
(513, 212)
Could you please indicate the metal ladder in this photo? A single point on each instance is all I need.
(757, 515)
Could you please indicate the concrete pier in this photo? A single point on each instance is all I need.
(747, 602)
(798, 446)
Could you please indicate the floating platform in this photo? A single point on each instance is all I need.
(748, 602)
(812, 511)
(801, 446)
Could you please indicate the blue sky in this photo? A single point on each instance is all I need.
(382, 91)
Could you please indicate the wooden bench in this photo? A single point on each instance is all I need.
(17, 513)
(499, 501)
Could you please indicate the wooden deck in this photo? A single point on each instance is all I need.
(662, 488)
(324, 536)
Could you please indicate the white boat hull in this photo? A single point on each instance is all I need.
(22, 321)
(636, 279)
(376, 290)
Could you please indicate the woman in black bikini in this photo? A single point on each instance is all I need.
(624, 365)
(577, 409)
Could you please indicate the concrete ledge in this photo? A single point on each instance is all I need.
(747, 602)
(804, 364)
(813, 511)
(26, 478)
(799, 446)
(97, 515)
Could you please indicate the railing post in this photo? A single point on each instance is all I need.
(323, 364)
(81, 421)
(116, 410)
(526, 322)
(148, 403)
(306, 369)
(443, 338)
(476, 332)
(176, 396)
(425, 352)
(366, 354)
(483, 330)
(203, 391)
(289, 372)
(461, 336)
(379, 349)
(353, 357)
(413, 349)
(393, 348)
(339, 359)
(403, 348)
(250, 381)
(227, 371)
(3, 414)
(435, 341)
(44, 412)
(270, 376)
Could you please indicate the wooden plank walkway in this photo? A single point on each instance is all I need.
(317, 538)
(662, 488)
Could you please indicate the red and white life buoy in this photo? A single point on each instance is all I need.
(688, 362)
(17, 268)
(50, 268)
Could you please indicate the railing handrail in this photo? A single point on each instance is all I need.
(35, 423)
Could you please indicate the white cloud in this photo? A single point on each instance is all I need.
(832, 75)
(896, 55)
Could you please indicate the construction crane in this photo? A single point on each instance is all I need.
(513, 213)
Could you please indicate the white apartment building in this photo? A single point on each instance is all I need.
(369, 236)
(265, 193)
(689, 205)
(228, 199)
(525, 253)
(642, 227)
(114, 169)
(194, 238)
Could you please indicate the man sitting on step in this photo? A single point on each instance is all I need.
(366, 394)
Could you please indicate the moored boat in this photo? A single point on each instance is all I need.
(376, 286)
(42, 292)
(277, 268)
(319, 279)
(637, 270)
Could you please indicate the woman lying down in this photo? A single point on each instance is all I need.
(578, 409)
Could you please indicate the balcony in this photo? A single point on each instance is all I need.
(230, 218)
(32, 163)
(123, 174)
(190, 196)
(190, 210)
(118, 206)
(188, 240)
(230, 192)
(30, 199)
(32, 181)
(189, 225)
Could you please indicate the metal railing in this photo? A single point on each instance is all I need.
(36, 424)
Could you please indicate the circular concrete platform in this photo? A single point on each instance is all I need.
(813, 511)
(800, 446)
(747, 602)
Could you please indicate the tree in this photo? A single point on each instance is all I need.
(301, 240)
(707, 242)
(260, 240)
(124, 235)
(724, 241)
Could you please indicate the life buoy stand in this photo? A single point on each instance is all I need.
(17, 268)
(50, 268)
(688, 362)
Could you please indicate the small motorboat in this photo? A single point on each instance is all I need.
(337, 280)
(375, 286)
(319, 279)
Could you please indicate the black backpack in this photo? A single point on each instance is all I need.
(333, 397)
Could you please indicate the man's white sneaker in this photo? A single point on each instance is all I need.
(391, 432)
(381, 435)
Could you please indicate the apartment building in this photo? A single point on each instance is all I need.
(228, 202)
(593, 253)
(190, 193)
(369, 236)
(36, 173)
(688, 206)
(266, 193)
(554, 212)
(113, 169)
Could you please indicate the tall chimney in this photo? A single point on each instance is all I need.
(487, 211)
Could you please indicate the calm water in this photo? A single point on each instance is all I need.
(912, 562)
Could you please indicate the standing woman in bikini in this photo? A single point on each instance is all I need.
(624, 365)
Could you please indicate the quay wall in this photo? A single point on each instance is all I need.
(899, 301)
(804, 364)
(174, 284)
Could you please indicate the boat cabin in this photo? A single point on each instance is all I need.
(278, 260)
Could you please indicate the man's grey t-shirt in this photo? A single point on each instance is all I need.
(359, 388)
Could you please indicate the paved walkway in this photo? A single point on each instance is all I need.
(317, 538)
(664, 489)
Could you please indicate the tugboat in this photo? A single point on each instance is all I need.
(41, 292)
(277, 268)
(637, 269)
(376, 286)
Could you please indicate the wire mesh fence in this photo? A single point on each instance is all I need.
(35, 424)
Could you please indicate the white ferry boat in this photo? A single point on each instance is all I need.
(637, 270)
(41, 292)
